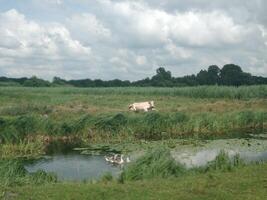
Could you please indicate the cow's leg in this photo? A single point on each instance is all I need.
(145, 109)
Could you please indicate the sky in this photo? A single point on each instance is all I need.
(129, 40)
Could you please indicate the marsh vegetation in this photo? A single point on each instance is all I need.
(35, 122)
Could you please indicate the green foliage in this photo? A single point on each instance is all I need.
(41, 177)
(25, 125)
(12, 172)
(148, 126)
(152, 126)
(24, 109)
(156, 163)
(233, 75)
(230, 74)
(107, 177)
(223, 162)
(111, 123)
(36, 82)
(245, 183)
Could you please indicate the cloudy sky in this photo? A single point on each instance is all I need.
(110, 39)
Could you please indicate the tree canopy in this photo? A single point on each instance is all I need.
(229, 74)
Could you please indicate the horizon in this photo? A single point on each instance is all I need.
(88, 78)
(129, 40)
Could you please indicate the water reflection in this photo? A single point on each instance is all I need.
(74, 167)
(202, 157)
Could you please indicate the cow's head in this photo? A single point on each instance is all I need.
(152, 104)
(130, 107)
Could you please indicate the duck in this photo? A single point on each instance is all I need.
(117, 159)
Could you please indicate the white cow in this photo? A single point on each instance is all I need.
(142, 106)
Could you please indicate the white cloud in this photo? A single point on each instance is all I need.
(147, 25)
(129, 39)
(27, 41)
(88, 29)
(141, 60)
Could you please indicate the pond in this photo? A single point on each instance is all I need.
(79, 167)
(74, 167)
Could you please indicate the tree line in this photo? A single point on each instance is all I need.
(230, 74)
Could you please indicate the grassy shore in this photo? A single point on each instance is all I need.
(249, 182)
(155, 175)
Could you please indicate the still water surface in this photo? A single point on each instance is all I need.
(74, 167)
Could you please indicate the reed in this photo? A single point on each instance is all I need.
(231, 92)
(12, 172)
(149, 126)
(156, 163)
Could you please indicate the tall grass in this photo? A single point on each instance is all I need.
(12, 172)
(148, 126)
(223, 162)
(29, 149)
(231, 92)
(158, 163)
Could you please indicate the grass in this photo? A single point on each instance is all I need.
(153, 176)
(149, 126)
(248, 182)
(156, 163)
(35, 120)
(100, 115)
(12, 172)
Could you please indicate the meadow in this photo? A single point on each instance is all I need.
(29, 117)
(38, 121)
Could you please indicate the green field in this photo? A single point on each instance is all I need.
(101, 114)
(35, 121)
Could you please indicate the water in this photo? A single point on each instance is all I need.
(77, 167)
(249, 150)
(74, 167)
(202, 157)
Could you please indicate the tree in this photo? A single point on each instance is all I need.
(203, 77)
(163, 78)
(59, 81)
(213, 75)
(36, 82)
(231, 75)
